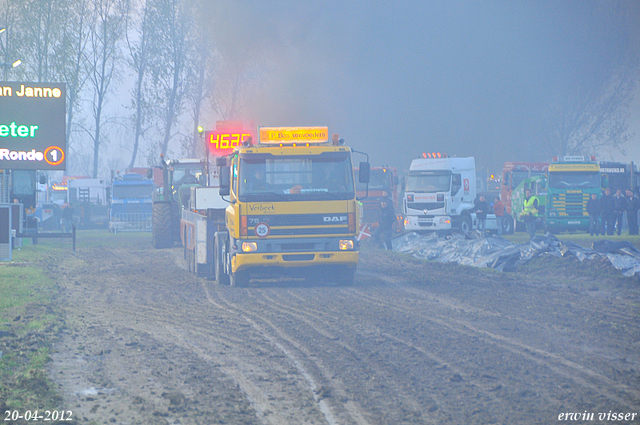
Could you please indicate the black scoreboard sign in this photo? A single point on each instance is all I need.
(32, 126)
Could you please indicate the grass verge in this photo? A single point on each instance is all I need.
(29, 323)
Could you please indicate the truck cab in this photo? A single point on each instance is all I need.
(439, 194)
(292, 207)
(571, 182)
(130, 203)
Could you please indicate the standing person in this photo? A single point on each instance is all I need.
(530, 212)
(67, 218)
(593, 208)
(619, 207)
(606, 211)
(498, 210)
(482, 207)
(633, 205)
(385, 223)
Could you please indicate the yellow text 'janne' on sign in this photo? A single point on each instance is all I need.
(294, 134)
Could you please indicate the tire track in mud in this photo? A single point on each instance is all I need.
(487, 388)
(398, 388)
(294, 351)
(554, 362)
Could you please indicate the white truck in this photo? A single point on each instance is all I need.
(440, 194)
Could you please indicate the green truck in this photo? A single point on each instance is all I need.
(562, 194)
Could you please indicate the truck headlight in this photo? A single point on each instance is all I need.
(345, 244)
(445, 221)
(249, 246)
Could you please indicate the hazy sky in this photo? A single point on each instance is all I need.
(400, 78)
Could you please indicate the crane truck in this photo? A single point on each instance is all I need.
(290, 208)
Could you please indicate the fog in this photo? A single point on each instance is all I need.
(397, 79)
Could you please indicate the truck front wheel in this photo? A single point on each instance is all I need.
(347, 276)
(161, 226)
(219, 257)
(239, 278)
(465, 223)
(507, 224)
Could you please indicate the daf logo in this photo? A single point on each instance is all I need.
(334, 219)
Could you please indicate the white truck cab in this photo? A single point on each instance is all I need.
(439, 195)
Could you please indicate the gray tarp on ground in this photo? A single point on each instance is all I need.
(500, 254)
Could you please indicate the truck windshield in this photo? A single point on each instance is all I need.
(518, 176)
(136, 191)
(186, 173)
(567, 179)
(378, 180)
(428, 181)
(266, 177)
(58, 196)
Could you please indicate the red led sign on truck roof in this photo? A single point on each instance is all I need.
(222, 143)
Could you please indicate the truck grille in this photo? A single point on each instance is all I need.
(299, 219)
(425, 205)
(298, 257)
(133, 208)
(292, 225)
(570, 204)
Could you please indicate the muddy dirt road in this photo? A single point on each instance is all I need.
(409, 343)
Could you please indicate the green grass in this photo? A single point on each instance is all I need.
(29, 320)
(100, 237)
(29, 323)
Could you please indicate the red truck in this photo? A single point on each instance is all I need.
(512, 175)
(383, 182)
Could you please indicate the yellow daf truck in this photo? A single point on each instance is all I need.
(292, 208)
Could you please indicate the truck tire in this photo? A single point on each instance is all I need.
(507, 224)
(239, 278)
(347, 276)
(466, 225)
(161, 226)
(219, 257)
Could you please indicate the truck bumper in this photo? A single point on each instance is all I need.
(265, 262)
(414, 223)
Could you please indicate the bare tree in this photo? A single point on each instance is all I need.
(104, 58)
(9, 42)
(138, 61)
(170, 63)
(71, 65)
(589, 111)
(39, 35)
(202, 89)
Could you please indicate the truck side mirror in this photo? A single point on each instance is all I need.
(225, 180)
(363, 172)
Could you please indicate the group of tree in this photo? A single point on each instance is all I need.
(151, 59)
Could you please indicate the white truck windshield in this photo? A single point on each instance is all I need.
(428, 181)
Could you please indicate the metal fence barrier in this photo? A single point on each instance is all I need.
(130, 222)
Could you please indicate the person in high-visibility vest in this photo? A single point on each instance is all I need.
(530, 212)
